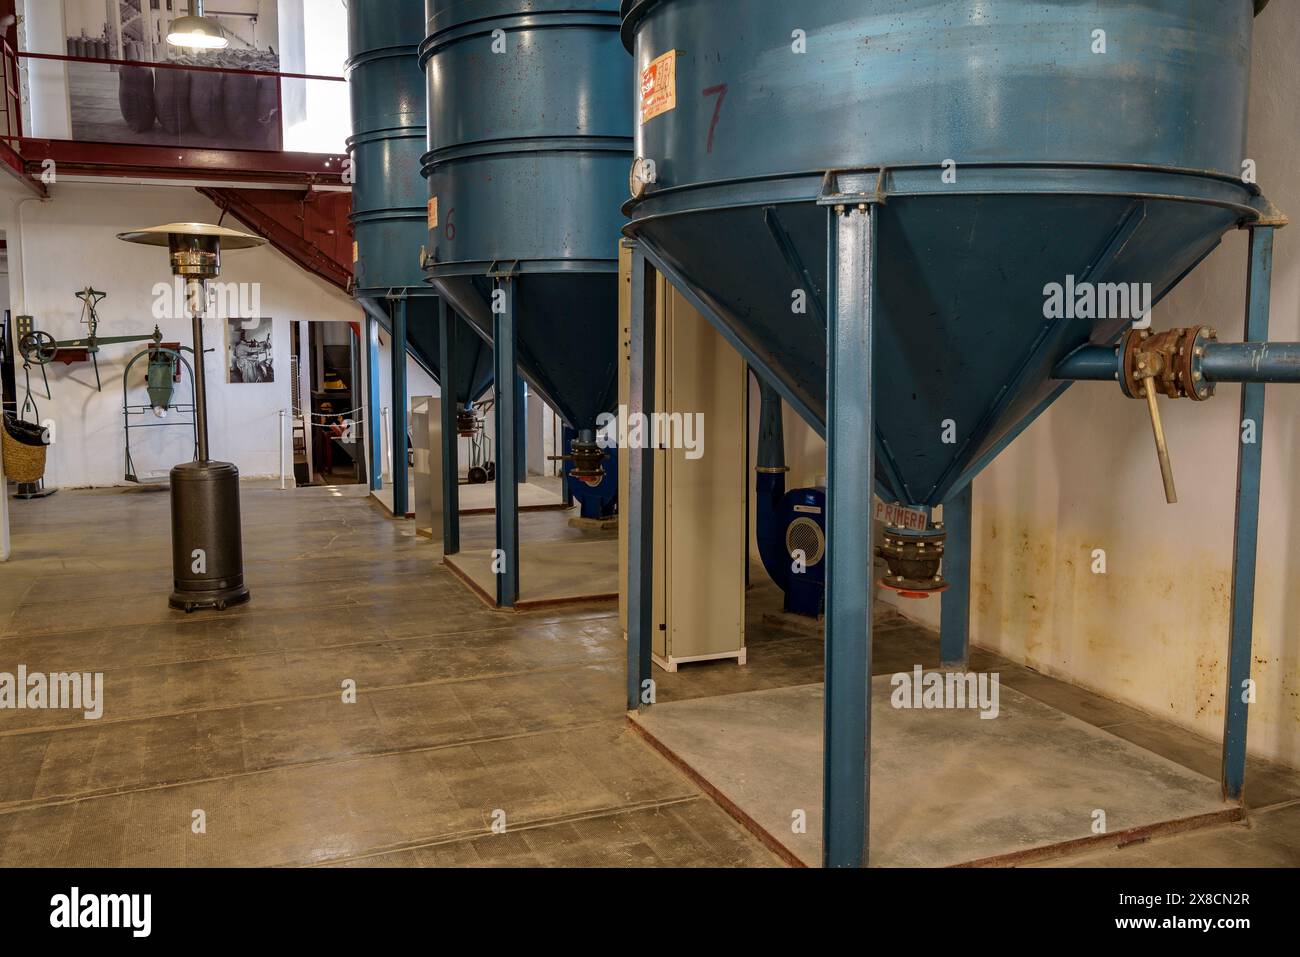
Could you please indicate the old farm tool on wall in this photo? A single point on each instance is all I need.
(40, 348)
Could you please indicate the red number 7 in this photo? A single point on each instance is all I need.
(720, 91)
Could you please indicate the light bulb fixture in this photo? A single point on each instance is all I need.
(197, 32)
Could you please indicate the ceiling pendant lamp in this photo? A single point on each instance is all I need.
(197, 32)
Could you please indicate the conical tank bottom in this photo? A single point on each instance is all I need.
(567, 335)
(964, 348)
(474, 372)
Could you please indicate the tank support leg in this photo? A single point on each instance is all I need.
(850, 471)
(449, 388)
(566, 442)
(522, 399)
(506, 409)
(641, 483)
(401, 488)
(1246, 536)
(954, 619)
(374, 425)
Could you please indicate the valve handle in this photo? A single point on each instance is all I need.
(1158, 430)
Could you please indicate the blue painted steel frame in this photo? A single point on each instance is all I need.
(641, 481)
(447, 332)
(954, 619)
(401, 480)
(1246, 534)
(521, 435)
(568, 434)
(374, 424)
(851, 242)
(506, 407)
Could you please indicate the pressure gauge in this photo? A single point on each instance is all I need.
(643, 176)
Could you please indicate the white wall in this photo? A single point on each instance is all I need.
(42, 30)
(70, 242)
(314, 39)
(1153, 631)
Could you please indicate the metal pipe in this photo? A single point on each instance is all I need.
(1222, 362)
(771, 427)
(387, 451)
(283, 485)
(197, 289)
(769, 485)
(1252, 362)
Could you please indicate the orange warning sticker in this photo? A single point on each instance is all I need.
(433, 213)
(356, 252)
(659, 87)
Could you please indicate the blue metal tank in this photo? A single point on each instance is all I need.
(1115, 167)
(388, 191)
(530, 112)
(874, 201)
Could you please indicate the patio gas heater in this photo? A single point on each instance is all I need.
(207, 550)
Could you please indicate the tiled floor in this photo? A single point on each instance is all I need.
(464, 717)
(461, 712)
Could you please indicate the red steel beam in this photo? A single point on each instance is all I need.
(13, 164)
(312, 228)
(178, 162)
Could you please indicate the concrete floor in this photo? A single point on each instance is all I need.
(786, 653)
(461, 711)
(948, 787)
(550, 573)
(539, 493)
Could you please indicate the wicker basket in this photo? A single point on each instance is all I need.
(22, 462)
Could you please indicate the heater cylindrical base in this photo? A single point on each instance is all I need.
(207, 547)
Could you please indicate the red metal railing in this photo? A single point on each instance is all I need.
(164, 65)
(11, 128)
(186, 153)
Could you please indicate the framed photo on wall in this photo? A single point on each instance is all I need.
(250, 354)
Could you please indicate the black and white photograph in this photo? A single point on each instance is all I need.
(251, 356)
(150, 97)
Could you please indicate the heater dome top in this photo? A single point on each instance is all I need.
(161, 235)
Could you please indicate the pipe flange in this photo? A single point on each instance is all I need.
(1199, 387)
(1171, 360)
(467, 424)
(588, 463)
(913, 561)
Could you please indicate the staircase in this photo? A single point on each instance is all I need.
(309, 226)
(312, 228)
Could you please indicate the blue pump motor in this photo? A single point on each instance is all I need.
(790, 526)
(599, 501)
